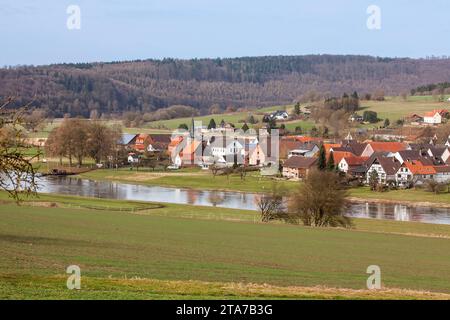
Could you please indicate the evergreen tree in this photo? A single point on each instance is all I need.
(322, 162)
(212, 124)
(297, 108)
(387, 123)
(183, 126)
(373, 180)
(272, 124)
(330, 164)
(245, 127)
(222, 123)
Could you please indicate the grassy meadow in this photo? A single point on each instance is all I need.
(186, 252)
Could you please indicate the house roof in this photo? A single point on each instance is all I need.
(442, 168)
(355, 161)
(329, 146)
(441, 112)
(416, 167)
(127, 138)
(410, 154)
(299, 162)
(437, 151)
(192, 147)
(388, 146)
(355, 147)
(431, 113)
(160, 138)
(339, 155)
(389, 164)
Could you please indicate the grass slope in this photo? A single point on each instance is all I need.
(176, 243)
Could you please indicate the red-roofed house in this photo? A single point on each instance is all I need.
(348, 164)
(435, 116)
(339, 155)
(412, 171)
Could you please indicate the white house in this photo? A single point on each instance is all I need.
(386, 169)
(133, 158)
(221, 148)
(432, 117)
(280, 115)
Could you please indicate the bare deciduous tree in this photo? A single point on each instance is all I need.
(17, 175)
(319, 201)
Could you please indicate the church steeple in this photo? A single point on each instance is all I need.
(349, 137)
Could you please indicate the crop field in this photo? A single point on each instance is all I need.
(178, 251)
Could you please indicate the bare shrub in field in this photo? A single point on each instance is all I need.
(319, 201)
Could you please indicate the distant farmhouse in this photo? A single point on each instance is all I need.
(434, 117)
(279, 115)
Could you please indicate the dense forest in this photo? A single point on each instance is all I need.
(149, 85)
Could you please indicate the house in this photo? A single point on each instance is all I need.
(339, 155)
(279, 115)
(305, 150)
(386, 168)
(257, 156)
(141, 140)
(392, 147)
(432, 117)
(353, 165)
(191, 153)
(351, 146)
(298, 167)
(230, 151)
(288, 144)
(159, 142)
(133, 158)
(412, 171)
(442, 174)
(173, 144)
(415, 118)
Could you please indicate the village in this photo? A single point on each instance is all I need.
(388, 159)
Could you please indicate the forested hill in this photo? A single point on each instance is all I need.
(251, 81)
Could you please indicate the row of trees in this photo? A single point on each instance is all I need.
(77, 139)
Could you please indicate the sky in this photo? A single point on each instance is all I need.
(36, 32)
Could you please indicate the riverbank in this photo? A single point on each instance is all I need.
(154, 253)
(201, 180)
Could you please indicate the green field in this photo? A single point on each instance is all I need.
(198, 252)
(395, 108)
(190, 178)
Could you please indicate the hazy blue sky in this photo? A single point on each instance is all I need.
(35, 32)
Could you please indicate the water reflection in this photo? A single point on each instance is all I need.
(224, 199)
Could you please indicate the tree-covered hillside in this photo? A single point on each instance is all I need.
(78, 89)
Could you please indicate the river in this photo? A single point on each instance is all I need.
(224, 199)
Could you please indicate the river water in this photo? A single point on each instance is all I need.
(224, 199)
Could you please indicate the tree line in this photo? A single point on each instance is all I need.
(210, 84)
(76, 139)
